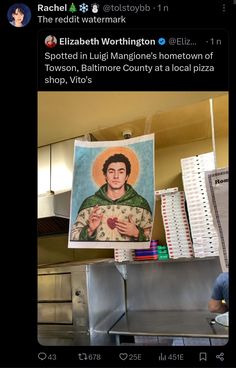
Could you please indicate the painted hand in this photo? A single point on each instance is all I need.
(94, 220)
(127, 228)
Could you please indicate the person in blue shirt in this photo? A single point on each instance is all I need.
(219, 302)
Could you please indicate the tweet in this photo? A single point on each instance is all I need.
(74, 60)
(120, 116)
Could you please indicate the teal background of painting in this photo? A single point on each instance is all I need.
(84, 185)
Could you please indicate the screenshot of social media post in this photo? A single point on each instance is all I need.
(133, 117)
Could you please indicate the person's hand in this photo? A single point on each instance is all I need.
(94, 220)
(127, 228)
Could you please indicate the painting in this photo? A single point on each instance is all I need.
(113, 194)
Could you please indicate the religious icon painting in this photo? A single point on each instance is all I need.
(113, 194)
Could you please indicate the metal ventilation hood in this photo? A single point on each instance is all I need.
(54, 207)
(53, 213)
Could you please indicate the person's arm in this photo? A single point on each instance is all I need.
(86, 224)
(79, 228)
(216, 303)
(217, 306)
(145, 226)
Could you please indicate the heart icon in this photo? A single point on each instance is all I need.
(111, 222)
(123, 356)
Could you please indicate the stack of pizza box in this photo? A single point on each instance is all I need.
(176, 225)
(204, 235)
(124, 255)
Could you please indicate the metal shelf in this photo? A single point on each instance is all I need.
(170, 260)
(189, 323)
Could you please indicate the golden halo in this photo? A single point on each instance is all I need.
(97, 173)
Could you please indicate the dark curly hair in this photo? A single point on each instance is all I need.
(118, 157)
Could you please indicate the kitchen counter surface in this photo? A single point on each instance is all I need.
(169, 323)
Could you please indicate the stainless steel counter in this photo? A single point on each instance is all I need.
(169, 323)
(78, 302)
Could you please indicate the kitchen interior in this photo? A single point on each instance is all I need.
(86, 297)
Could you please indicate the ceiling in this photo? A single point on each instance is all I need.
(186, 115)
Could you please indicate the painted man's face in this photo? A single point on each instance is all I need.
(116, 175)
